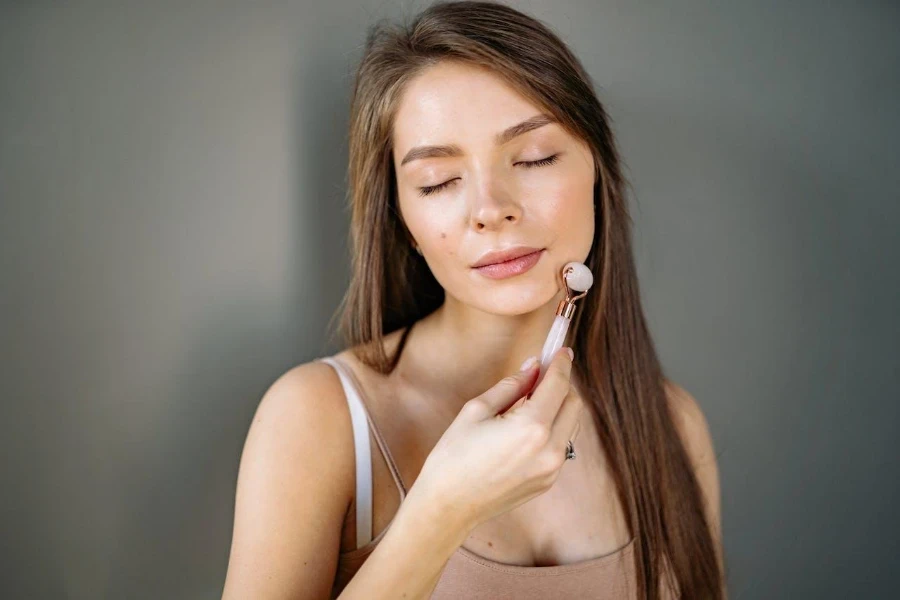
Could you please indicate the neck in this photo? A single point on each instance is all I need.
(464, 351)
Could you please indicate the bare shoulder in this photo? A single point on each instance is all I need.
(694, 430)
(309, 390)
(691, 423)
(304, 407)
(295, 483)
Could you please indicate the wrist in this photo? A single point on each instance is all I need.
(449, 524)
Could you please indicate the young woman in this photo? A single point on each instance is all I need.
(476, 138)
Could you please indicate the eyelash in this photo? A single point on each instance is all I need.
(427, 191)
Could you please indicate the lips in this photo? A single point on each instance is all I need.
(500, 256)
(510, 268)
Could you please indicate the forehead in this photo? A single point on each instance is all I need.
(451, 101)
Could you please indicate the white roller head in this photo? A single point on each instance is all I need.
(580, 278)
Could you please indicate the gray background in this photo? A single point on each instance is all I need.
(172, 239)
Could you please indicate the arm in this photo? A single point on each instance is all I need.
(409, 559)
(295, 484)
(293, 490)
(694, 431)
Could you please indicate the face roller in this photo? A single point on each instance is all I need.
(577, 278)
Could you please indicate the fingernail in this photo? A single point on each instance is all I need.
(571, 353)
(529, 362)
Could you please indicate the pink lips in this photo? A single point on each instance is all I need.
(510, 268)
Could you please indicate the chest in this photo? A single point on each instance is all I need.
(578, 519)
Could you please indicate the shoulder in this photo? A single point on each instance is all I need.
(304, 413)
(694, 431)
(309, 386)
(295, 484)
(311, 389)
(690, 421)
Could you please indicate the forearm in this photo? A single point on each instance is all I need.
(409, 559)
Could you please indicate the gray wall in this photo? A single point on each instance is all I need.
(172, 239)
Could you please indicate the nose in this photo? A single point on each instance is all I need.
(492, 210)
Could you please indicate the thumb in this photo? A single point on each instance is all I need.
(508, 390)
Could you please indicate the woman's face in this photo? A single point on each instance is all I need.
(460, 203)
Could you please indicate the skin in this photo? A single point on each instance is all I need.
(489, 327)
(486, 328)
(481, 334)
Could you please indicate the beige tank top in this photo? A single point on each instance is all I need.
(468, 575)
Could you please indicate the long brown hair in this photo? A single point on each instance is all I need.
(392, 287)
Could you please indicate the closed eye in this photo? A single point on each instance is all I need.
(540, 163)
(433, 189)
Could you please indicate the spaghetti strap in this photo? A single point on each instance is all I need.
(376, 432)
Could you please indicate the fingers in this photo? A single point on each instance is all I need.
(548, 396)
(568, 421)
(503, 394)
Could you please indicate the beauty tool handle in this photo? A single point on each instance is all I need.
(553, 343)
(576, 278)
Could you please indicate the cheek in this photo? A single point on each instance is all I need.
(568, 206)
(445, 245)
(425, 225)
(434, 230)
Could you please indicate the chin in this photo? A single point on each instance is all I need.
(516, 300)
(517, 295)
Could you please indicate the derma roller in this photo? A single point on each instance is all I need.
(578, 280)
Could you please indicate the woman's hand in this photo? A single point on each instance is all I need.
(488, 463)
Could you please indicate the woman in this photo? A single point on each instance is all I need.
(475, 137)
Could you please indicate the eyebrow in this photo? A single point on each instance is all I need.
(501, 138)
